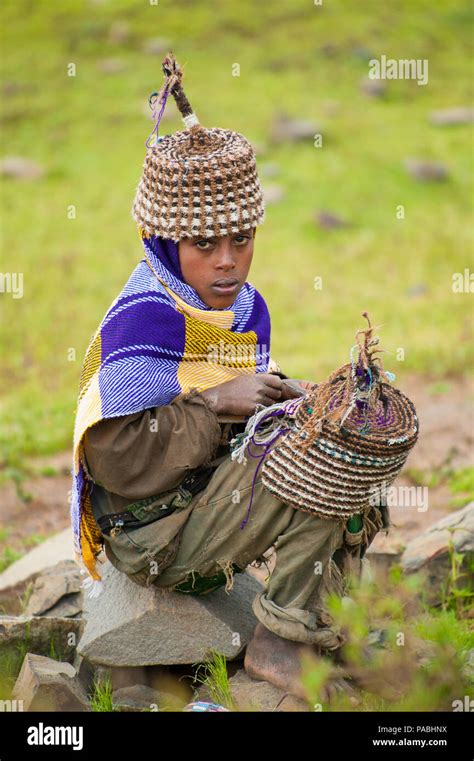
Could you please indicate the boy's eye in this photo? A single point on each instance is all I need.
(203, 244)
(241, 239)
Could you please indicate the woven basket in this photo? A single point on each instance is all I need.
(337, 464)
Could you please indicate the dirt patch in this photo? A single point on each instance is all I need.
(24, 523)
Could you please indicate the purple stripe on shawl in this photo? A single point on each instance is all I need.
(123, 300)
(137, 384)
(259, 321)
(141, 351)
(146, 324)
(167, 252)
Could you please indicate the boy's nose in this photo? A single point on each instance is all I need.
(225, 256)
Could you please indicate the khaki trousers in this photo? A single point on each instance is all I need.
(205, 538)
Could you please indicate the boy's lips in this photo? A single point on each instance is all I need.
(225, 285)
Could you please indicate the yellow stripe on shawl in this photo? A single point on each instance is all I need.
(213, 355)
(90, 536)
(89, 411)
(220, 318)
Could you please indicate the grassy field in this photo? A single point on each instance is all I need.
(88, 133)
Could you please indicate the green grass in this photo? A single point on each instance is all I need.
(463, 481)
(101, 695)
(11, 660)
(88, 132)
(419, 666)
(460, 482)
(213, 675)
(8, 557)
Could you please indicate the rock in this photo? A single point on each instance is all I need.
(10, 87)
(165, 627)
(48, 685)
(253, 695)
(53, 584)
(381, 560)
(119, 32)
(430, 552)
(452, 116)
(45, 555)
(111, 66)
(85, 671)
(284, 128)
(276, 64)
(273, 194)
(377, 638)
(362, 53)
(329, 49)
(468, 667)
(140, 697)
(41, 635)
(19, 168)
(419, 289)
(327, 220)
(430, 171)
(374, 88)
(122, 677)
(156, 46)
(68, 607)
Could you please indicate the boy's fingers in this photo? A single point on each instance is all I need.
(271, 380)
(292, 390)
(267, 401)
(273, 393)
(306, 384)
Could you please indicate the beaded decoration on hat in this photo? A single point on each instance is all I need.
(334, 451)
(199, 181)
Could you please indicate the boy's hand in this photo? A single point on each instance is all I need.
(241, 395)
(298, 387)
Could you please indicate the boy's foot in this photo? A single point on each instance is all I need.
(277, 660)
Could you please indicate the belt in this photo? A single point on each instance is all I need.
(113, 523)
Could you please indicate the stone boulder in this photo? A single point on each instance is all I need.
(430, 552)
(20, 168)
(285, 128)
(447, 117)
(45, 555)
(140, 697)
(254, 695)
(426, 170)
(133, 625)
(39, 634)
(48, 685)
(56, 592)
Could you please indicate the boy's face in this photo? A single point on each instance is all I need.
(217, 267)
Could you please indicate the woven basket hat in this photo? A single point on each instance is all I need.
(199, 181)
(350, 439)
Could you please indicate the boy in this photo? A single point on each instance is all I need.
(179, 363)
